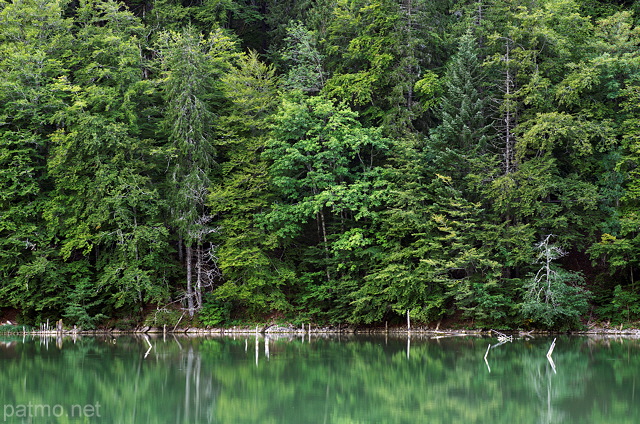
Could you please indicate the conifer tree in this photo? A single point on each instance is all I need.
(251, 277)
(192, 64)
(463, 136)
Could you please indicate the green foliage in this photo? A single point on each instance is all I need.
(323, 166)
(14, 329)
(554, 298)
(627, 303)
(306, 71)
(164, 317)
(464, 106)
(191, 64)
(564, 306)
(376, 51)
(215, 311)
(251, 275)
(360, 160)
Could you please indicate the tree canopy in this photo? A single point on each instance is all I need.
(337, 161)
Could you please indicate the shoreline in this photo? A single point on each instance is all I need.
(289, 330)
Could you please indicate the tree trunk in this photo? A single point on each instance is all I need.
(408, 7)
(189, 251)
(326, 245)
(198, 290)
(509, 115)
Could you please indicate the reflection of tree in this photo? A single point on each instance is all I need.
(169, 386)
(542, 377)
(333, 381)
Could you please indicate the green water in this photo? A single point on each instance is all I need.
(335, 380)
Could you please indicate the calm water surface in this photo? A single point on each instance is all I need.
(319, 380)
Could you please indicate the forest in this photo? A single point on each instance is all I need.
(471, 162)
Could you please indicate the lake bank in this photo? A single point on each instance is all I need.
(305, 330)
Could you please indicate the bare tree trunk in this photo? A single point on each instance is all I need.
(189, 281)
(326, 245)
(509, 116)
(408, 6)
(138, 277)
(198, 290)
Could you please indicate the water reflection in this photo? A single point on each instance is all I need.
(298, 379)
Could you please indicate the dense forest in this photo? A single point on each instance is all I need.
(326, 161)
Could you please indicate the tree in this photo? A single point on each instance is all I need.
(554, 297)
(462, 155)
(613, 76)
(323, 168)
(375, 54)
(306, 64)
(103, 207)
(191, 66)
(251, 274)
(34, 39)
(548, 152)
(463, 136)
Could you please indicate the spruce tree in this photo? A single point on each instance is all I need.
(463, 135)
(192, 64)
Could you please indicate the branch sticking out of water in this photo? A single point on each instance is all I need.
(553, 365)
(485, 357)
(553, 345)
(146, 339)
(503, 337)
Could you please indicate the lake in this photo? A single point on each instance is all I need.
(346, 379)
